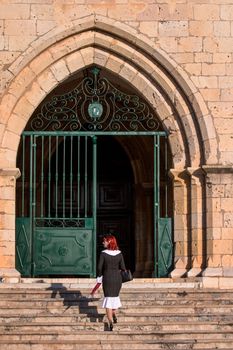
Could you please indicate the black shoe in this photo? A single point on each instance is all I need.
(111, 326)
(114, 318)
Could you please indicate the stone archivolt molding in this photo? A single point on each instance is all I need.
(133, 57)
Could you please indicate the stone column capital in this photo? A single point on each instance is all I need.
(195, 171)
(14, 172)
(218, 169)
(176, 174)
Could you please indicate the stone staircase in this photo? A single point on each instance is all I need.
(45, 316)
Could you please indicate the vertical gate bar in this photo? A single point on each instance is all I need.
(64, 176)
(158, 202)
(158, 175)
(71, 176)
(34, 214)
(85, 186)
(31, 199)
(166, 178)
(155, 207)
(49, 179)
(42, 178)
(94, 202)
(56, 178)
(78, 179)
(23, 176)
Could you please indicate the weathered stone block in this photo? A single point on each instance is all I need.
(14, 11)
(47, 81)
(7, 221)
(60, 70)
(222, 28)
(149, 28)
(173, 28)
(206, 12)
(201, 28)
(75, 62)
(20, 27)
(43, 26)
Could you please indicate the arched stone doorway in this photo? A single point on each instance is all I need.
(55, 193)
(163, 84)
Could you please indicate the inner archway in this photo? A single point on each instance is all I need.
(124, 189)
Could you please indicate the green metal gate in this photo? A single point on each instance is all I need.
(56, 229)
(57, 192)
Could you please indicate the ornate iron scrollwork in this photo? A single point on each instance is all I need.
(95, 105)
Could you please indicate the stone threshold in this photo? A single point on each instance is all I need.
(137, 283)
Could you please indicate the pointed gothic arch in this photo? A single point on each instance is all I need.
(118, 48)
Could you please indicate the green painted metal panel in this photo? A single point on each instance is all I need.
(165, 247)
(63, 251)
(23, 244)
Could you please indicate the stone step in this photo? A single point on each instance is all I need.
(58, 317)
(146, 310)
(115, 335)
(134, 326)
(41, 289)
(129, 317)
(88, 283)
(82, 302)
(116, 345)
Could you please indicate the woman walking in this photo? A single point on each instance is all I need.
(111, 262)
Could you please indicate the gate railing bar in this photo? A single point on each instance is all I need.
(96, 133)
(49, 178)
(56, 178)
(156, 201)
(166, 184)
(85, 179)
(64, 175)
(31, 200)
(42, 178)
(71, 176)
(94, 201)
(23, 176)
(78, 179)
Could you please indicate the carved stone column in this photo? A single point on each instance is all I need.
(181, 233)
(197, 221)
(219, 220)
(8, 178)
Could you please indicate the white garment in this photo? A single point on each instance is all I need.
(111, 252)
(99, 279)
(111, 302)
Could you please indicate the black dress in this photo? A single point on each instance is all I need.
(109, 267)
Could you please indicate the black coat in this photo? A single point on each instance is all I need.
(109, 267)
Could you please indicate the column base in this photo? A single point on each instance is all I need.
(178, 273)
(194, 272)
(9, 275)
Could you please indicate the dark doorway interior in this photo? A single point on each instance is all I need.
(114, 197)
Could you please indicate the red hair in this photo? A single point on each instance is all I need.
(112, 243)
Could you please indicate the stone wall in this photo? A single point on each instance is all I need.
(195, 35)
(198, 35)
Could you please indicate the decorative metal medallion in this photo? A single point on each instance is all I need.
(63, 251)
(95, 110)
(95, 104)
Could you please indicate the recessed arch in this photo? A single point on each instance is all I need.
(102, 41)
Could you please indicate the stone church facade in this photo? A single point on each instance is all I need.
(178, 55)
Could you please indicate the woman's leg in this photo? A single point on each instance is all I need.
(109, 314)
(114, 317)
